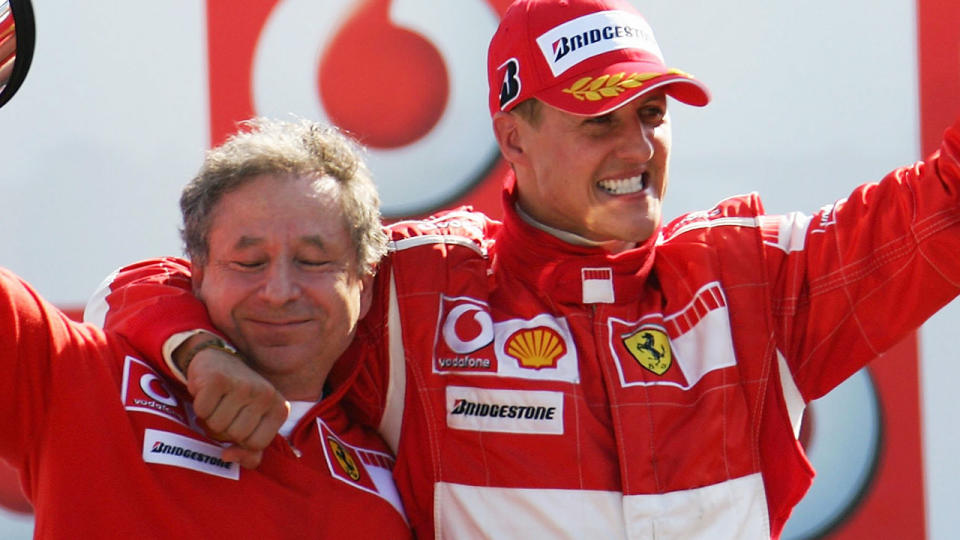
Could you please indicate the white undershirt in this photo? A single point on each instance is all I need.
(297, 410)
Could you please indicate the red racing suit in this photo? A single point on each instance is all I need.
(533, 388)
(107, 448)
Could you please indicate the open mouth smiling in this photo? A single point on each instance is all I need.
(624, 186)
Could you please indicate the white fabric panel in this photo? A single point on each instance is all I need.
(693, 354)
(526, 514)
(95, 312)
(392, 418)
(791, 394)
(735, 510)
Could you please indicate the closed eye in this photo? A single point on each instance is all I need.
(313, 263)
(247, 265)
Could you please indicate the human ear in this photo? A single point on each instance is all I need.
(366, 293)
(507, 130)
(196, 277)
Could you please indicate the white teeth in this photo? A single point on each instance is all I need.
(622, 186)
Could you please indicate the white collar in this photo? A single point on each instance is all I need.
(297, 410)
(613, 246)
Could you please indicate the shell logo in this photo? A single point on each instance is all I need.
(536, 348)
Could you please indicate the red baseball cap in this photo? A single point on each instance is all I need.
(585, 57)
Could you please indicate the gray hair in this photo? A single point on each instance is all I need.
(293, 149)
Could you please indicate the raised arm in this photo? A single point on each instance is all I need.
(856, 277)
(42, 352)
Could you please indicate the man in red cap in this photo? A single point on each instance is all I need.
(589, 85)
(581, 370)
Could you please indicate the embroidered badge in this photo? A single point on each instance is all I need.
(608, 86)
(343, 458)
(651, 349)
(597, 285)
(469, 342)
(167, 448)
(505, 411)
(466, 334)
(536, 348)
(510, 88)
(362, 468)
(676, 349)
(144, 390)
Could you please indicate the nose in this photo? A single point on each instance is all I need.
(637, 144)
(280, 284)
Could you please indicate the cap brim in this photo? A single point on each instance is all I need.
(600, 91)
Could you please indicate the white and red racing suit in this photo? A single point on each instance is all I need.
(107, 448)
(532, 388)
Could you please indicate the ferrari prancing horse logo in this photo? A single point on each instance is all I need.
(650, 348)
(343, 458)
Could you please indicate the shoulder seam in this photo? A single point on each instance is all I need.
(718, 222)
(430, 239)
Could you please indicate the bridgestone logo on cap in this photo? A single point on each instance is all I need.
(511, 86)
(591, 35)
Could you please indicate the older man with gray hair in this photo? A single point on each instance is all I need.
(283, 225)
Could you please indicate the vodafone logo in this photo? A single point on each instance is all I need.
(466, 333)
(144, 391)
(405, 77)
(468, 328)
(153, 387)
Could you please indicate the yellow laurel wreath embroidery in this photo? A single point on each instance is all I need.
(608, 86)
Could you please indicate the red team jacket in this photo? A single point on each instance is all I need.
(107, 448)
(532, 388)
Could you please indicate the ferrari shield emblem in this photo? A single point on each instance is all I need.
(343, 458)
(651, 349)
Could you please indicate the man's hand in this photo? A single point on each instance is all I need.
(235, 404)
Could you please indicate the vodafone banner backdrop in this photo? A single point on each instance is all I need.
(405, 77)
(810, 100)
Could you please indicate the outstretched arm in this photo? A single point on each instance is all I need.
(856, 277)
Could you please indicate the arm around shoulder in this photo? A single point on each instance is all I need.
(151, 305)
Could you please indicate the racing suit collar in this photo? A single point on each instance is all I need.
(612, 246)
(567, 272)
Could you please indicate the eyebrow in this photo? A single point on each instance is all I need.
(246, 241)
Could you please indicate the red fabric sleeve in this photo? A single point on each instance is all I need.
(150, 301)
(869, 270)
(38, 345)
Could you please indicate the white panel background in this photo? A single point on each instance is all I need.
(811, 99)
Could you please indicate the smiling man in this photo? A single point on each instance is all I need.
(602, 177)
(281, 278)
(282, 223)
(582, 370)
